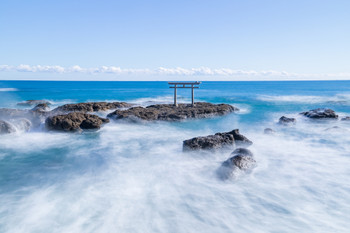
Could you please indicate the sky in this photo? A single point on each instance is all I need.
(174, 40)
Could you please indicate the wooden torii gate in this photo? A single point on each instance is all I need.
(191, 85)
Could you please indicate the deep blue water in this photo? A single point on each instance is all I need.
(134, 177)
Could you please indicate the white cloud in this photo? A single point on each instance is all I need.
(224, 73)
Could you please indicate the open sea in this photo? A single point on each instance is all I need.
(134, 177)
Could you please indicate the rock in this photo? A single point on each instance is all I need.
(74, 121)
(41, 108)
(169, 112)
(286, 121)
(346, 118)
(320, 113)
(219, 140)
(91, 107)
(269, 131)
(242, 160)
(33, 102)
(6, 127)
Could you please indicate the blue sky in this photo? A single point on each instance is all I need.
(218, 40)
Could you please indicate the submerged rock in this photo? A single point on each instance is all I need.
(74, 121)
(33, 102)
(336, 129)
(169, 112)
(91, 106)
(320, 113)
(6, 127)
(286, 121)
(219, 140)
(242, 160)
(269, 131)
(346, 118)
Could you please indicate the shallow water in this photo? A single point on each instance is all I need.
(135, 178)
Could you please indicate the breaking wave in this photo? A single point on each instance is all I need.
(340, 98)
(8, 89)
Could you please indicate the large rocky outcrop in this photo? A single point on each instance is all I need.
(91, 106)
(169, 112)
(74, 121)
(320, 113)
(6, 127)
(241, 160)
(219, 140)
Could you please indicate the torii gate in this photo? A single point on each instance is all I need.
(191, 85)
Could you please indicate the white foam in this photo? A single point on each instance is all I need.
(345, 98)
(135, 178)
(8, 89)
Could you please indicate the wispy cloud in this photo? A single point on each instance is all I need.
(162, 71)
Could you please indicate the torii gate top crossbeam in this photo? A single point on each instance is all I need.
(191, 85)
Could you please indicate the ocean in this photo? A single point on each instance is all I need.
(134, 177)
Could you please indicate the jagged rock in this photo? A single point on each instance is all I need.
(219, 140)
(269, 131)
(320, 113)
(41, 108)
(346, 118)
(169, 112)
(91, 106)
(286, 121)
(6, 127)
(33, 102)
(242, 160)
(74, 121)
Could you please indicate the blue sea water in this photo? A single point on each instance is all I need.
(130, 177)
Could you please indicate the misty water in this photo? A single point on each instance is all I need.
(134, 177)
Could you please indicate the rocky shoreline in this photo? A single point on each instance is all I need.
(63, 119)
(88, 116)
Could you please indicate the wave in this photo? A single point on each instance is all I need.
(8, 89)
(340, 98)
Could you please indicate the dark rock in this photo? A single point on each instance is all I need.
(320, 113)
(242, 151)
(219, 140)
(41, 107)
(286, 121)
(74, 121)
(346, 118)
(91, 107)
(33, 102)
(242, 160)
(169, 112)
(269, 131)
(6, 127)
